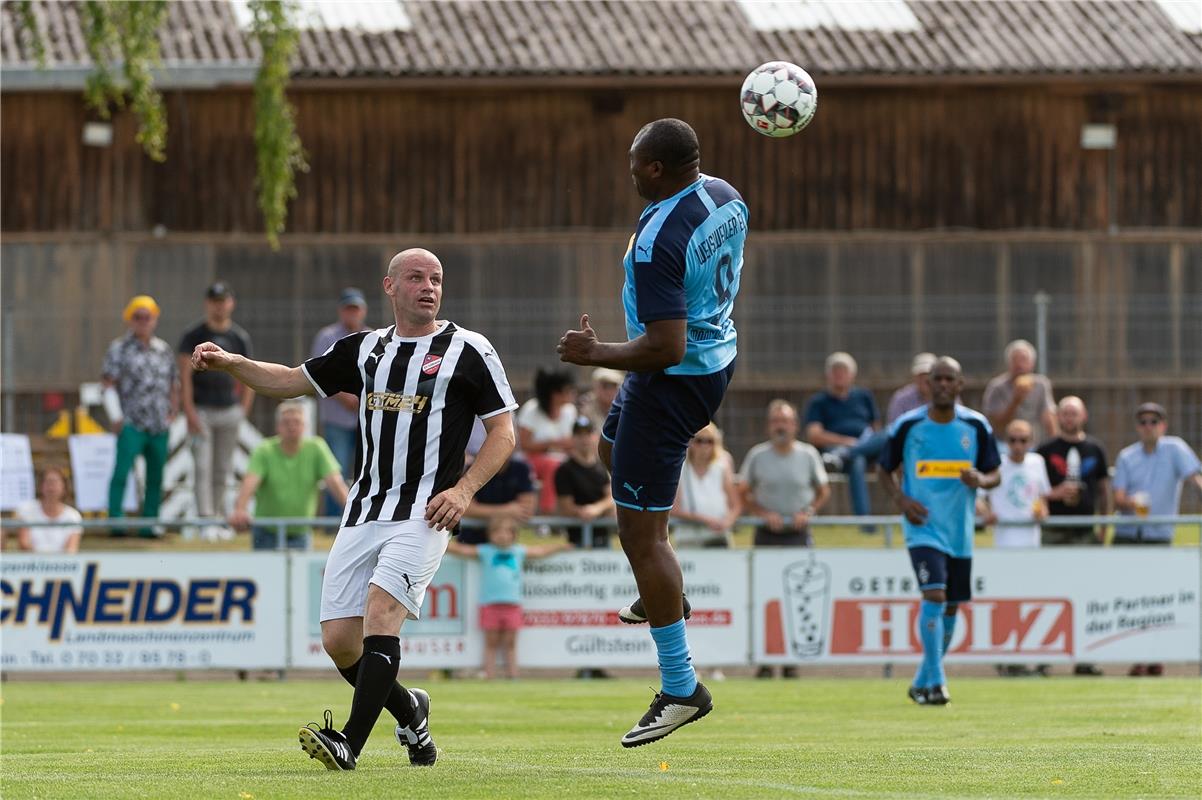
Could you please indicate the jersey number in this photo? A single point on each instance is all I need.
(724, 276)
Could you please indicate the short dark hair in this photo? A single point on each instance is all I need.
(672, 142)
(548, 382)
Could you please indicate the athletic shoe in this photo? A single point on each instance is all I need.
(919, 696)
(938, 696)
(327, 745)
(666, 714)
(635, 614)
(416, 737)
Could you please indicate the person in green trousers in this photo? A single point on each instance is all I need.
(141, 384)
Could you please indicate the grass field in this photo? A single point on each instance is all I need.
(1109, 737)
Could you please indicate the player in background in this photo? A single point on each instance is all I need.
(421, 383)
(945, 452)
(682, 274)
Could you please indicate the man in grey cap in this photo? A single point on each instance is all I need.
(916, 393)
(340, 412)
(1148, 476)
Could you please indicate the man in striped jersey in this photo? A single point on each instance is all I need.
(421, 384)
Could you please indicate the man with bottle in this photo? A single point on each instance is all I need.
(1077, 470)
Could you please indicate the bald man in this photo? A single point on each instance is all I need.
(1078, 472)
(422, 383)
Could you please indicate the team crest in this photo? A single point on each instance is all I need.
(431, 364)
(965, 442)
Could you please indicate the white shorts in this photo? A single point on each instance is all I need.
(399, 557)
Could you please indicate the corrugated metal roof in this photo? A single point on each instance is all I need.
(617, 38)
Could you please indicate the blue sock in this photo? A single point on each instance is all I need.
(949, 625)
(930, 628)
(675, 663)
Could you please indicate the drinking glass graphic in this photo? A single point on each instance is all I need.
(807, 596)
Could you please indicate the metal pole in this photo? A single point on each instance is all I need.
(6, 346)
(280, 536)
(586, 536)
(1042, 301)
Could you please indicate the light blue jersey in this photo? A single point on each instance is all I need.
(931, 455)
(684, 262)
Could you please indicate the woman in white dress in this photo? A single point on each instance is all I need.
(707, 503)
(50, 506)
(544, 426)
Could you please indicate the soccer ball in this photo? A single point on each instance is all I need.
(778, 99)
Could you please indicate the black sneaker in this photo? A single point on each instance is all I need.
(667, 713)
(327, 745)
(635, 614)
(416, 737)
(919, 696)
(938, 696)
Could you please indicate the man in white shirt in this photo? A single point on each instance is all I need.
(1020, 495)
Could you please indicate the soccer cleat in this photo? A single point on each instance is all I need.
(327, 745)
(918, 695)
(666, 714)
(635, 614)
(938, 696)
(416, 737)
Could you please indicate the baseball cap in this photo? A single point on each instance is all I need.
(607, 375)
(1151, 408)
(352, 297)
(922, 363)
(219, 291)
(582, 424)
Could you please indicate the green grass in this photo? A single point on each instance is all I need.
(1110, 737)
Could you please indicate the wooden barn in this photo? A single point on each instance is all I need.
(965, 156)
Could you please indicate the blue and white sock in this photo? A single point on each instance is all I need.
(930, 629)
(949, 625)
(675, 664)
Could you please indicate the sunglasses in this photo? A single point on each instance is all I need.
(1019, 439)
(704, 441)
(142, 317)
(1149, 420)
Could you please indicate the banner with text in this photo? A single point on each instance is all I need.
(1033, 606)
(571, 607)
(142, 611)
(441, 638)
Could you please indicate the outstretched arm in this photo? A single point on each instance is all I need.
(273, 380)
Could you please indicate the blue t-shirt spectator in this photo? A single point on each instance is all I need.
(846, 416)
(1157, 476)
(501, 573)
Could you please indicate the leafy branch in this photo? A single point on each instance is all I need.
(277, 145)
(28, 22)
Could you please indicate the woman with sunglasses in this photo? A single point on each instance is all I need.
(707, 503)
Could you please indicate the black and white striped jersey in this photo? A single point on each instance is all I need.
(418, 400)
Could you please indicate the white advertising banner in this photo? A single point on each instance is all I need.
(441, 638)
(92, 459)
(571, 607)
(142, 611)
(16, 471)
(1035, 606)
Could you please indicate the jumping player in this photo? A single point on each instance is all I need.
(421, 385)
(682, 274)
(945, 452)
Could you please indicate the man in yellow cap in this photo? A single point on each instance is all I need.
(141, 397)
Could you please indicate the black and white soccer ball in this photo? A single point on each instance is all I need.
(778, 99)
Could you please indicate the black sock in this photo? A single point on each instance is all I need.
(399, 702)
(377, 675)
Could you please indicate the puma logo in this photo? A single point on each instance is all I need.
(644, 248)
(632, 490)
(408, 582)
(383, 656)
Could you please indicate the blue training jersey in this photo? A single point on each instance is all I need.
(684, 262)
(931, 455)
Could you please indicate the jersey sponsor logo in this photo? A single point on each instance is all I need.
(430, 364)
(940, 469)
(400, 403)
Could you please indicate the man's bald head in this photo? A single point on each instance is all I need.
(414, 256)
(947, 379)
(1071, 415)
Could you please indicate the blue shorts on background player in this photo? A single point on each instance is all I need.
(945, 452)
(682, 271)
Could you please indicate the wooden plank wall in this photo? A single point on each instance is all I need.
(393, 160)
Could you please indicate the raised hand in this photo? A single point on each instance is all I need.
(576, 346)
